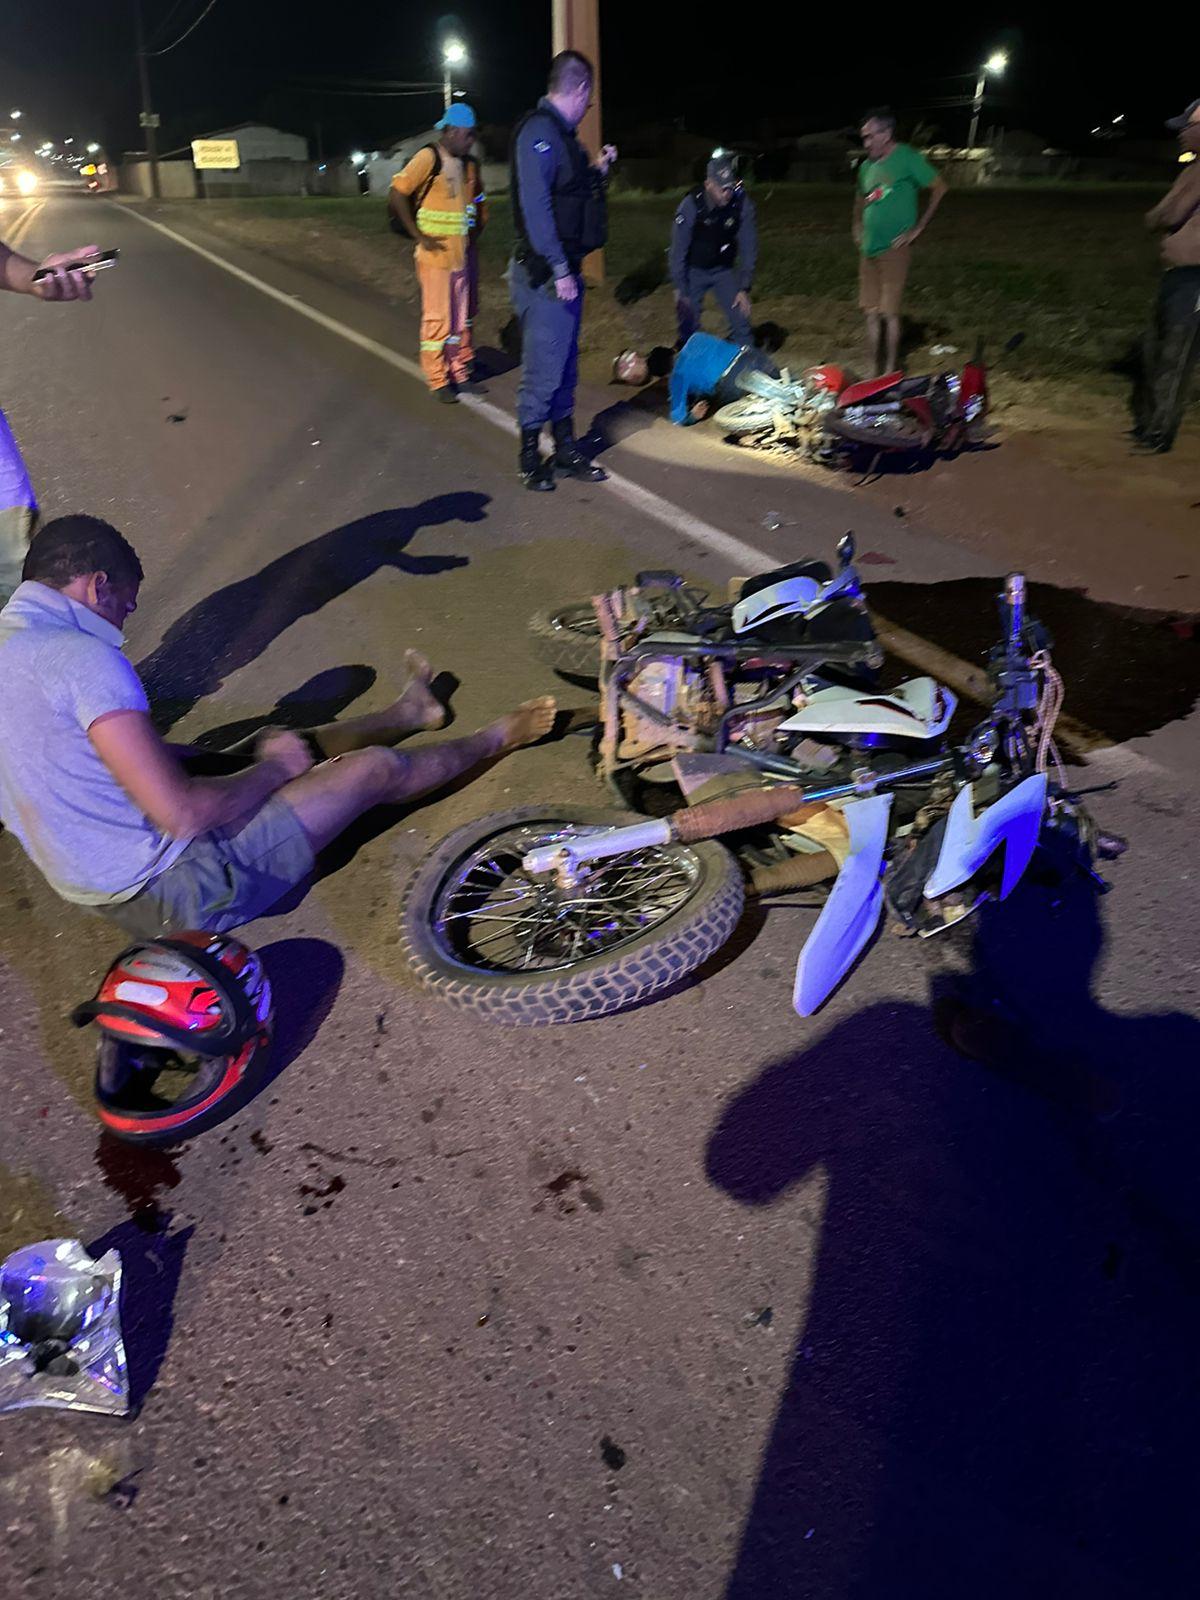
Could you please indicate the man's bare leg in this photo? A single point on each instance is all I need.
(874, 323)
(415, 709)
(893, 342)
(332, 796)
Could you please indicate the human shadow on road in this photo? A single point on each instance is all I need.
(151, 1267)
(993, 1392)
(233, 626)
(321, 699)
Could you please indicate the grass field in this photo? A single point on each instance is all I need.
(1070, 266)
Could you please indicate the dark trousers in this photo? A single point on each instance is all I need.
(723, 285)
(1169, 352)
(549, 348)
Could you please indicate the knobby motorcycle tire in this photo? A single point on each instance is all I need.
(596, 986)
(567, 638)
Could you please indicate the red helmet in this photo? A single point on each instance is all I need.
(199, 1003)
(827, 377)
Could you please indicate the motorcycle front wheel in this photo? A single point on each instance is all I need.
(488, 938)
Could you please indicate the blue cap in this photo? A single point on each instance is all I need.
(457, 116)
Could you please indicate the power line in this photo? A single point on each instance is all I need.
(187, 32)
(158, 32)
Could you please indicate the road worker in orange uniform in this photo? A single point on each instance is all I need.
(438, 200)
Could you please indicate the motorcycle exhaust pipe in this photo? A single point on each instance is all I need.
(712, 818)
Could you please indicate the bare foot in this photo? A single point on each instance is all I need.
(527, 724)
(417, 706)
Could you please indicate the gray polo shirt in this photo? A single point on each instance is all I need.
(61, 669)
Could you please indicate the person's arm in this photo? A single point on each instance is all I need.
(747, 253)
(535, 174)
(481, 211)
(400, 206)
(1177, 205)
(935, 186)
(681, 240)
(856, 224)
(16, 274)
(178, 805)
(400, 198)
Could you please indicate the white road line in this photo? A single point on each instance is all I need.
(744, 557)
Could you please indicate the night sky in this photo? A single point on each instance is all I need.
(69, 64)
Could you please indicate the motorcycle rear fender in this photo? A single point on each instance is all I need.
(1012, 823)
(851, 914)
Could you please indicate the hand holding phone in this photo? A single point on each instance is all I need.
(68, 276)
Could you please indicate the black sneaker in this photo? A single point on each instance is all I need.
(447, 394)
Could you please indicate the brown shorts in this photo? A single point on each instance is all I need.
(881, 281)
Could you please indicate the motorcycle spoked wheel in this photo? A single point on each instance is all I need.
(893, 431)
(487, 938)
(154, 1097)
(567, 638)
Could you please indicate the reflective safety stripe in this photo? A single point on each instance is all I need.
(433, 344)
(453, 338)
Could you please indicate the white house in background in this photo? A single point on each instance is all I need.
(258, 142)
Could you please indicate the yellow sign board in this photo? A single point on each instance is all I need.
(215, 155)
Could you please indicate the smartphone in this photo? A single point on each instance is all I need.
(106, 258)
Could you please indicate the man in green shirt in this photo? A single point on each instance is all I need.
(885, 224)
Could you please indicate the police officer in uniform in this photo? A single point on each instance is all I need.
(559, 217)
(714, 247)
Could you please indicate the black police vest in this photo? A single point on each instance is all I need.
(576, 197)
(715, 234)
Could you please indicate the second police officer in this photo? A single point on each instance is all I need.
(714, 249)
(559, 217)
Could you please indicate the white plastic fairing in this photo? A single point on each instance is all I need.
(1013, 822)
(851, 914)
(918, 709)
(789, 598)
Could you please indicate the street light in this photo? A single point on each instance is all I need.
(454, 54)
(995, 65)
(15, 115)
(93, 149)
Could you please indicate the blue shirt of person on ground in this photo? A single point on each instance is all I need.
(707, 368)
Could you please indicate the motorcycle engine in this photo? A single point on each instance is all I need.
(680, 690)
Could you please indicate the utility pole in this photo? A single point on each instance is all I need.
(577, 27)
(976, 108)
(148, 119)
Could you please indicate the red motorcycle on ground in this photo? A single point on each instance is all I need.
(942, 412)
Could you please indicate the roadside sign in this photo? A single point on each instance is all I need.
(215, 155)
(149, 119)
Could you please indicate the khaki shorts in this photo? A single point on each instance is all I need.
(881, 281)
(223, 879)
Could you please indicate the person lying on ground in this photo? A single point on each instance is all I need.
(705, 375)
(109, 813)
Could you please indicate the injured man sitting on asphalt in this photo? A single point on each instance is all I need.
(704, 375)
(111, 814)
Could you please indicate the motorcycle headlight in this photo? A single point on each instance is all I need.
(26, 182)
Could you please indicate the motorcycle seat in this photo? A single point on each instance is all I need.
(819, 571)
(892, 386)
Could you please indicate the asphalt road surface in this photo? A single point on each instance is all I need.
(694, 1302)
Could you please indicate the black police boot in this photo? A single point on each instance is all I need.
(535, 473)
(569, 459)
